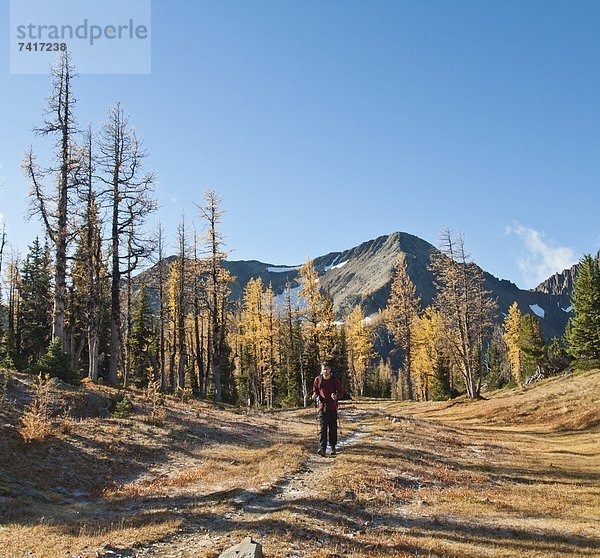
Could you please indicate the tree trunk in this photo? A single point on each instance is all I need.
(93, 350)
(115, 301)
(60, 278)
(305, 395)
(407, 366)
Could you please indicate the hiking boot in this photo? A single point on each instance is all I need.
(321, 452)
(333, 452)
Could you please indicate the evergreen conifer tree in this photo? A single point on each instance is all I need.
(558, 357)
(584, 331)
(57, 363)
(36, 304)
(532, 345)
(141, 338)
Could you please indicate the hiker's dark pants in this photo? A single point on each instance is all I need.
(327, 428)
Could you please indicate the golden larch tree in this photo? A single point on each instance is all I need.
(402, 308)
(359, 342)
(512, 338)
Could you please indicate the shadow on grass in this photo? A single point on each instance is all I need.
(68, 468)
(348, 527)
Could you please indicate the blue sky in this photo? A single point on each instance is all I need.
(324, 124)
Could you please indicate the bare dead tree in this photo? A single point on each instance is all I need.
(89, 267)
(181, 304)
(162, 309)
(14, 303)
(197, 381)
(95, 265)
(2, 246)
(52, 203)
(127, 194)
(217, 289)
(126, 346)
(465, 306)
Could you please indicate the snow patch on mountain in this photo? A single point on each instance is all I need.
(537, 310)
(336, 266)
(281, 269)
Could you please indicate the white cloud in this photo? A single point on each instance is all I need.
(540, 257)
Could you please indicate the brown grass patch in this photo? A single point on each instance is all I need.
(222, 467)
(49, 540)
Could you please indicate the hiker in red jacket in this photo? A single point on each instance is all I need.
(327, 390)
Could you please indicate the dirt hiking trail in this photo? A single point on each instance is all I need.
(294, 495)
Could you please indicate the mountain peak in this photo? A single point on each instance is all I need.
(362, 275)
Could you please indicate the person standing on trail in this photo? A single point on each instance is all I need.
(327, 390)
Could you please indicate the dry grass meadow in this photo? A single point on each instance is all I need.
(514, 475)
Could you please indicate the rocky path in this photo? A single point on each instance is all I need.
(297, 496)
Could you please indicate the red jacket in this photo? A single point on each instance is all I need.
(333, 385)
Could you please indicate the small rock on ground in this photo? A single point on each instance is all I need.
(246, 549)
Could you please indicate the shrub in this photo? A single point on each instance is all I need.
(558, 357)
(186, 395)
(7, 363)
(158, 412)
(56, 363)
(35, 421)
(156, 417)
(586, 364)
(6, 383)
(123, 408)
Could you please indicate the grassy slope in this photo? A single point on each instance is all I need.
(514, 475)
(124, 481)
